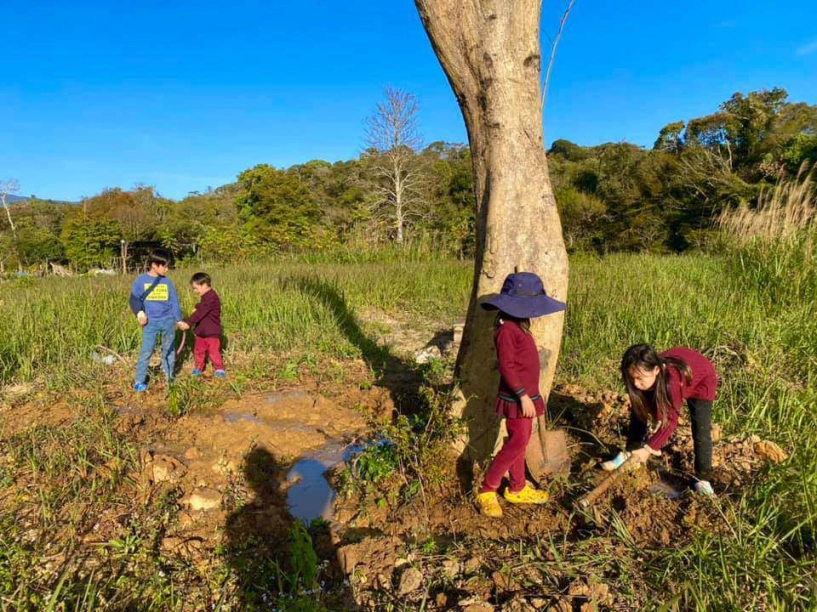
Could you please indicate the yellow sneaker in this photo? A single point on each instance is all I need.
(489, 504)
(528, 495)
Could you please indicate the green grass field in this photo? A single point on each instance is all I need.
(756, 319)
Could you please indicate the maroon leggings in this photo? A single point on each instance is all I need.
(511, 458)
(205, 347)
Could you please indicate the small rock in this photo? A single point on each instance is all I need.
(384, 582)
(129, 418)
(186, 547)
(531, 528)
(225, 467)
(17, 391)
(410, 580)
(427, 354)
(517, 604)
(503, 582)
(451, 567)
(472, 565)
(204, 499)
(165, 468)
(186, 519)
(192, 453)
(347, 557)
(562, 604)
(475, 604)
(771, 451)
(599, 592)
(578, 588)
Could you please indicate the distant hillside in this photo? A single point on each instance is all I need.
(14, 199)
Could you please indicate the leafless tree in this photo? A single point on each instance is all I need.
(7, 188)
(491, 53)
(393, 137)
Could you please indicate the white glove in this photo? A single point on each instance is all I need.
(616, 462)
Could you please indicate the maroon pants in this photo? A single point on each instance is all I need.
(511, 458)
(207, 347)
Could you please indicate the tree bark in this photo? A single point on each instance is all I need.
(490, 51)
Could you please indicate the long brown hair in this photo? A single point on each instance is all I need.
(645, 357)
(504, 316)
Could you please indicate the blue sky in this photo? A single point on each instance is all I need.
(185, 95)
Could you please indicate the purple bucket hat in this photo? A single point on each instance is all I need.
(523, 296)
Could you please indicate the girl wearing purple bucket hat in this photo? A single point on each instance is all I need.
(522, 298)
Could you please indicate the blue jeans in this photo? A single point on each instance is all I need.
(700, 412)
(167, 329)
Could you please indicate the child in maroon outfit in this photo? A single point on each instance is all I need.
(657, 385)
(518, 400)
(207, 319)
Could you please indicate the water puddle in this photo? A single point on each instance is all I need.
(310, 496)
(271, 425)
(235, 417)
(287, 397)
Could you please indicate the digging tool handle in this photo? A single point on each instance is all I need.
(181, 344)
(587, 500)
(541, 425)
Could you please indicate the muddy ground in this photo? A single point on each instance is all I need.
(228, 469)
(440, 554)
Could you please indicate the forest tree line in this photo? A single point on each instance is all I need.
(611, 197)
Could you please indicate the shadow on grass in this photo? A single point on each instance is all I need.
(401, 377)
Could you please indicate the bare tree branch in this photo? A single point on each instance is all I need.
(553, 45)
(8, 188)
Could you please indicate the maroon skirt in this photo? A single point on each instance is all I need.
(512, 409)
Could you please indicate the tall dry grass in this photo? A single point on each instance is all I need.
(784, 211)
(772, 248)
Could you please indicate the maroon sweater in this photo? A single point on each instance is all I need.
(703, 387)
(207, 316)
(518, 362)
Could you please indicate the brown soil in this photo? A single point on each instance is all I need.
(461, 560)
(227, 467)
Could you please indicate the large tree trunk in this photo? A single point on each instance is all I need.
(490, 51)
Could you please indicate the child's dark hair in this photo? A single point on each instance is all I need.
(646, 357)
(160, 257)
(201, 278)
(504, 316)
